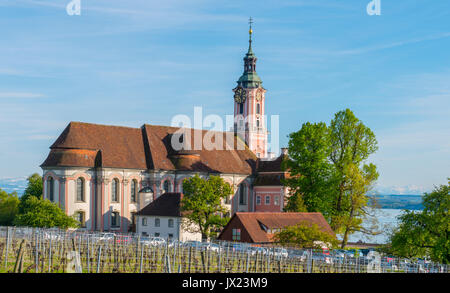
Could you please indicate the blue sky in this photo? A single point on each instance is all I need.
(135, 62)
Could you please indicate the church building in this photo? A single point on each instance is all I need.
(102, 173)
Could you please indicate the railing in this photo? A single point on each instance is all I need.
(56, 251)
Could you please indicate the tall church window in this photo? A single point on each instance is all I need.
(166, 186)
(80, 216)
(50, 189)
(115, 190)
(257, 123)
(241, 108)
(258, 108)
(242, 194)
(80, 189)
(134, 185)
(115, 217)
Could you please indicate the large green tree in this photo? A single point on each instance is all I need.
(351, 144)
(310, 169)
(329, 171)
(9, 207)
(34, 187)
(425, 233)
(202, 203)
(43, 213)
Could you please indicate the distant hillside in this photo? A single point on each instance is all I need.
(399, 201)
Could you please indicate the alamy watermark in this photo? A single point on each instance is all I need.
(213, 133)
(74, 7)
(374, 7)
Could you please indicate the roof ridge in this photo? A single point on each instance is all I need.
(191, 128)
(99, 124)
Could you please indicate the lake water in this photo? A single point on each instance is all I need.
(387, 220)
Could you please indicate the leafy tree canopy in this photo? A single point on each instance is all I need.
(43, 213)
(202, 203)
(425, 233)
(310, 169)
(329, 173)
(9, 207)
(305, 235)
(34, 187)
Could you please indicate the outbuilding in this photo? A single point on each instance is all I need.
(260, 227)
(163, 218)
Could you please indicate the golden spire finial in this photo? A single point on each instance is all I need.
(250, 21)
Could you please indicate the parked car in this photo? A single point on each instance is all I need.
(301, 254)
(52, 236)
(123, 239)
(105, 237)
(157, 241)
(278, 252)
(192, 243)
(321, 257)
(339, 254)
(210, 246)
(254, 250)
(235, 247)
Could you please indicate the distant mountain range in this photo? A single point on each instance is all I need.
(384, 200)
(14, 184)
(398, 201)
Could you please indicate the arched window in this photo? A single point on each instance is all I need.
(134, 188)
(115, 219)
(242, 194)
(241, 108)
(257, 123)
(166, 186)
(258, 108)
(80, 189)
(80, 216)
(50, 189)
(115, 190)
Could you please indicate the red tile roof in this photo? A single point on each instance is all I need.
(146, 148)
(252, 223)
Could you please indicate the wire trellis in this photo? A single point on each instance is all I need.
(38, 250)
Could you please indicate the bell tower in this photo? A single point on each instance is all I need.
(249, 105)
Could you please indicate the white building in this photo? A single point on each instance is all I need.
(163, 218)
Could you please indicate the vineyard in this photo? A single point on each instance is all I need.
(33, 250)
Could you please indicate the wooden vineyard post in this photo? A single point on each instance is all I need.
(18, 267)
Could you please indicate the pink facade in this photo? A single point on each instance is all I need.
(268, 199)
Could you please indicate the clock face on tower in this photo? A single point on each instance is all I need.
(240, 95)
(259, 95)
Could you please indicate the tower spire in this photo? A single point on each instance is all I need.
(250, 31)
(249, 78)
